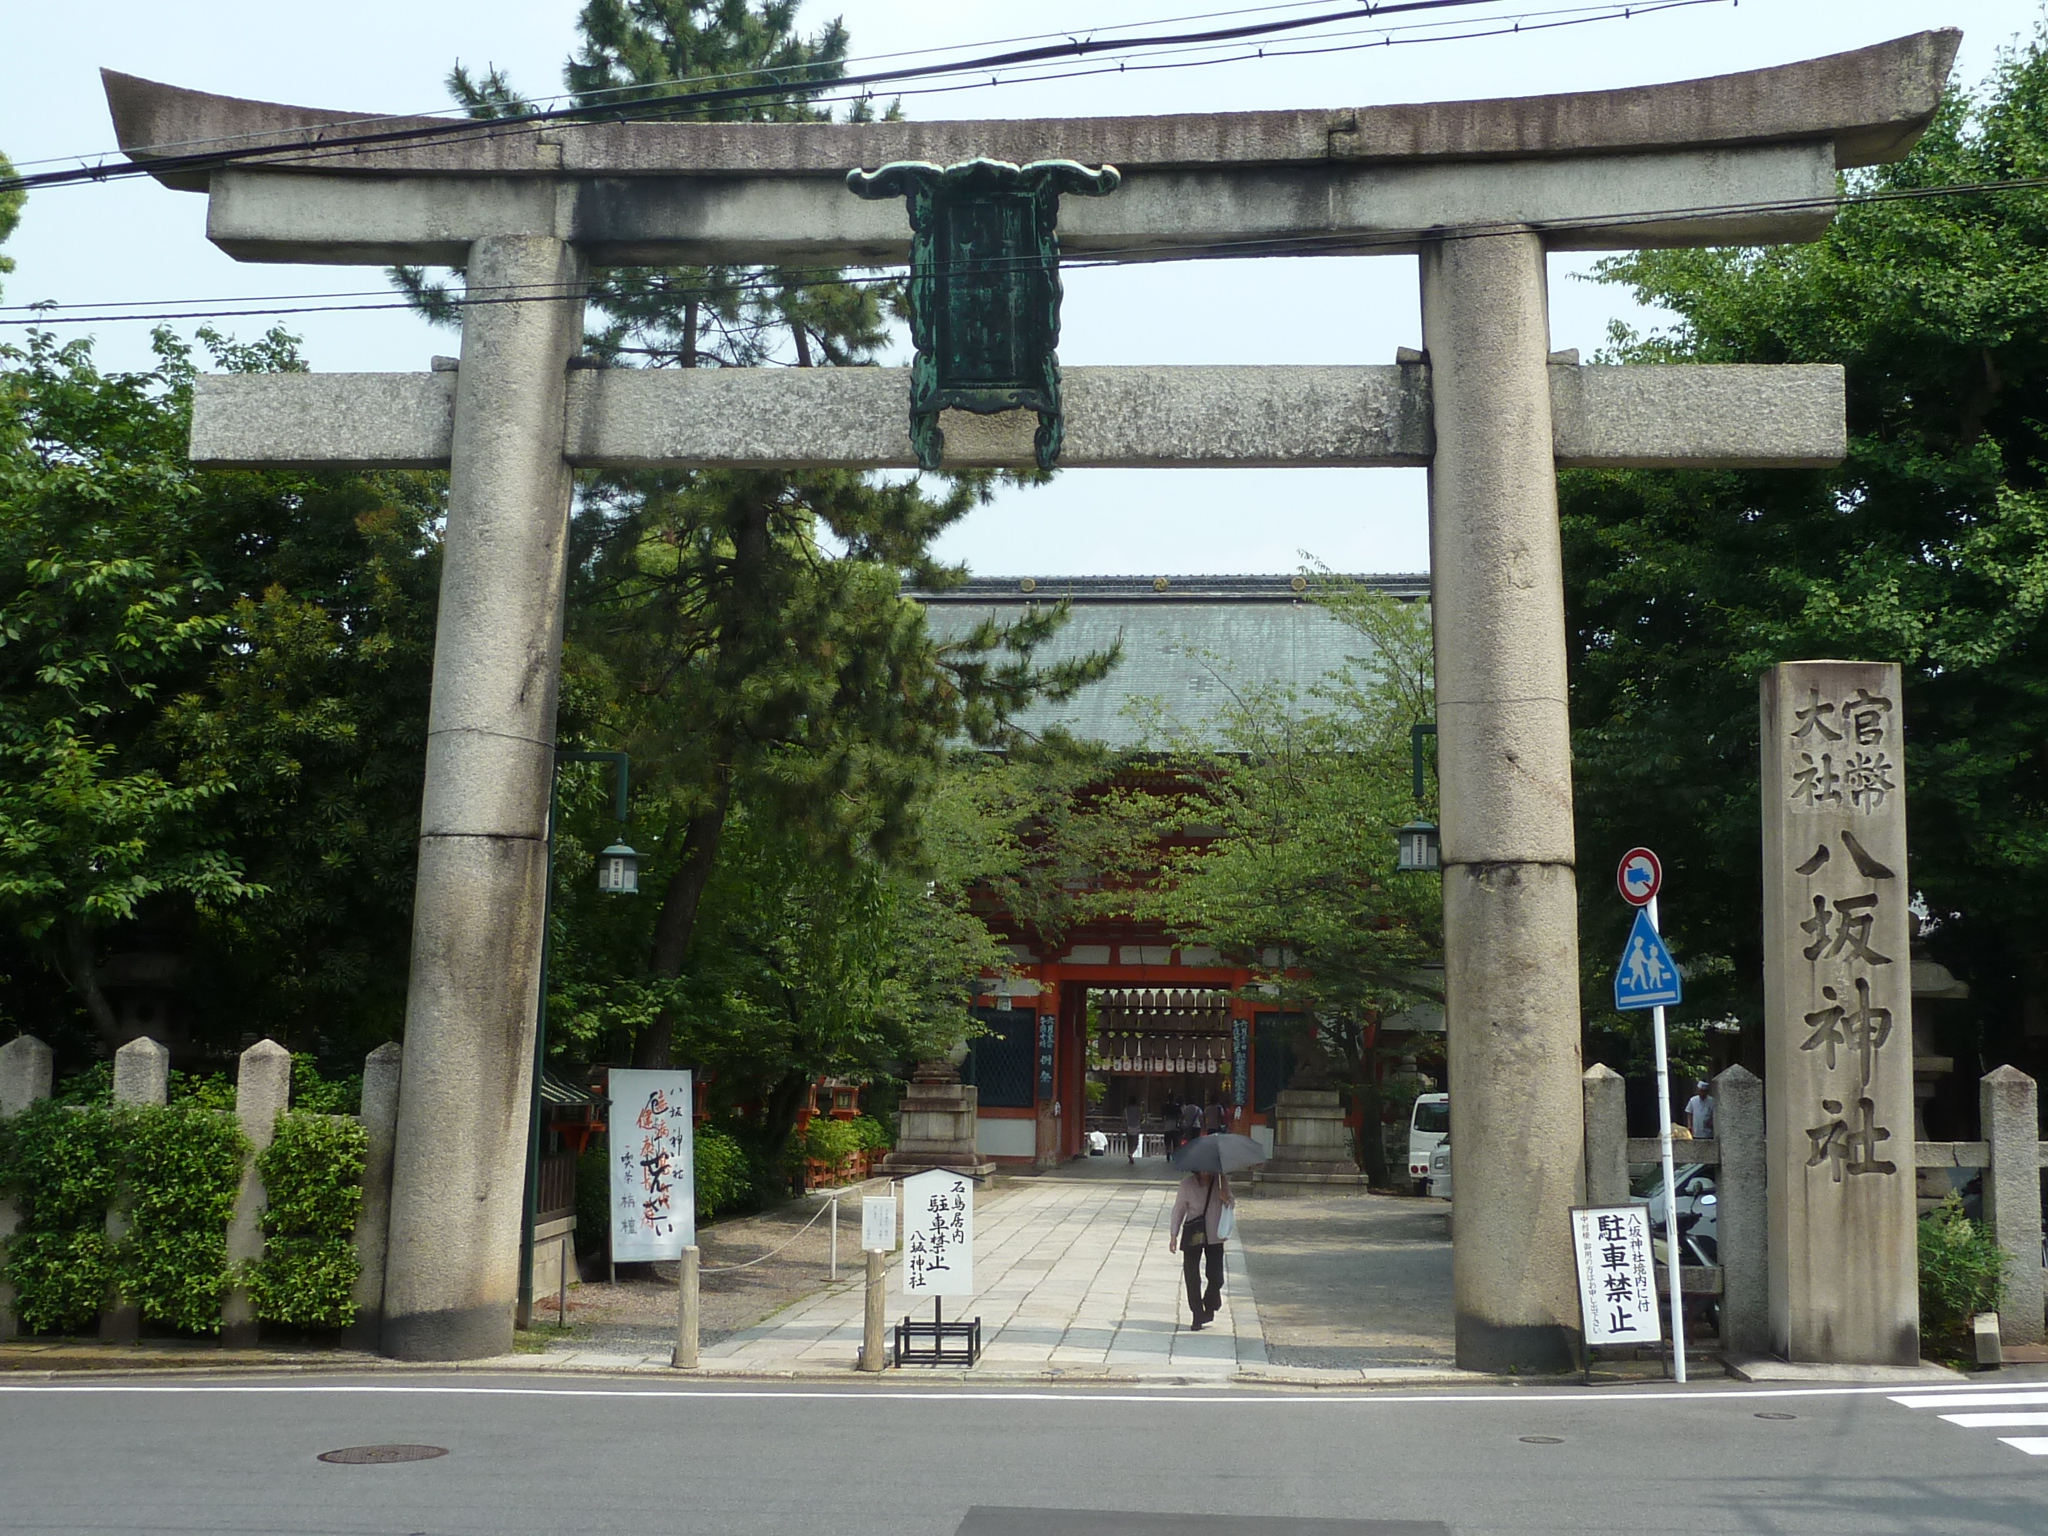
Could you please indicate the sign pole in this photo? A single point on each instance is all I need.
(1670, 1183)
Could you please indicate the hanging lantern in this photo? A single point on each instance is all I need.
(1418, 849)
(618, 871)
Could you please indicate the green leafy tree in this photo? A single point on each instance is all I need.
(1928, 546)
(212, 695)
(1285, 855)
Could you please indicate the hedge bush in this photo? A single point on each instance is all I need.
(724, 1176)
(830, 1140)
(875, 1136)
(176, 1169)
(313, 1185)
(1962, 1268)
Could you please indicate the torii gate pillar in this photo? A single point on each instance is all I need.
(1511, 947)
(460, 1170)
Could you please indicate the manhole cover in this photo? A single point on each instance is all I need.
(1541, 1440)
(380, 1455)
(1777, 1415)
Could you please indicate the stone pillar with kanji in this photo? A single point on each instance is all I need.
(1838, 1015)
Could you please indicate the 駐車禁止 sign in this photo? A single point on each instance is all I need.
(938, 1234)
(1617, 1275)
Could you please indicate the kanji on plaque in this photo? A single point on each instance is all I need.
(938, 1234)
(653, 1167)
(1617, 1278)
(1838, 1012)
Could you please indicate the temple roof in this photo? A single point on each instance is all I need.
(1189, 642)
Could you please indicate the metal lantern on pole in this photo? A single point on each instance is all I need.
(618, 871)
(1419, 852)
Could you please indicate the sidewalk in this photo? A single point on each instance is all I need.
(1074, 1278)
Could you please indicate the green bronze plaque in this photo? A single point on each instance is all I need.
(984, 288)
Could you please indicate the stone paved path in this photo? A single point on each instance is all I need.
(1073, 1276)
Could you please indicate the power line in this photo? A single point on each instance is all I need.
(588, 98)
(1279, 246)
(659, 106)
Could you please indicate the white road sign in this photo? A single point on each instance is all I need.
(938, 1234)
(1617, 1277)
(878, 1223)
(654, 1167)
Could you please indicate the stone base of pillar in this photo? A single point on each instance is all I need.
(935, 1129)
(1311, 1143)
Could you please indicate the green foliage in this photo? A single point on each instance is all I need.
(212, 694)
(317, 1095)
(174, 1169)
(214, 1090)
(183, 1165)
(61, 1165)
(872, 1135)
(95, 1085)
(1928, 546)
(313, 1189)
(1962, 1268)
(830, 1140)
(10, 210)
(724, 1175)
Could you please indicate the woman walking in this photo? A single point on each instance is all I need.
(1197, 1229)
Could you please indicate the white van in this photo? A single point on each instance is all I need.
(1428, 1125)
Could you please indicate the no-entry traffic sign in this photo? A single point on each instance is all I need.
(1639, 876)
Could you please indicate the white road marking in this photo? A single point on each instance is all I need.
(1219, 1395)
(2019, 1396)
(1998, 1420)
(1975, 1397)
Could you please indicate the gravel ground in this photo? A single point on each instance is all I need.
(638, 1313)
(1349, 1281)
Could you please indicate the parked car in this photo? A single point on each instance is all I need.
(1429, 1125)
(1696, 1200)
(1439, 1186)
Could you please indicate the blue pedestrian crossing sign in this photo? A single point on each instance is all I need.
(1647, 976)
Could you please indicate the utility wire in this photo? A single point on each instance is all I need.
(1290, 245)
(660, 106)
(591, 99)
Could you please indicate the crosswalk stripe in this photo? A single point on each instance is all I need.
(2033, 1445)
(1998, 1420)
(1973, 1400)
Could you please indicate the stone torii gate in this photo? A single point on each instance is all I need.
(1479, 191)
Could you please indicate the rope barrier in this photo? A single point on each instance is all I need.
(726, 1269)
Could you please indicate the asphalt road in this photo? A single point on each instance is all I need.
(616, 1455)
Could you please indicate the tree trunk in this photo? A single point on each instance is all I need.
(689, 357)
(654, 1046)
(80, 968)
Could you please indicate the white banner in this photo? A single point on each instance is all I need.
(878, 1224)
(1617, 1278)
(654, 1166)
(938, 1234)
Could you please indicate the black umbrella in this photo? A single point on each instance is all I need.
(1224, 1152)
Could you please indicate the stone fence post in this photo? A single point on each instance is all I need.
(263, 1088)
(381, 1073)
(2008, 1102)
(1742, 1188)
(142, 1075)
(26, 1072)
(1606, 1096)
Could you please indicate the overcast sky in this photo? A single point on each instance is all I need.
(135, 240)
